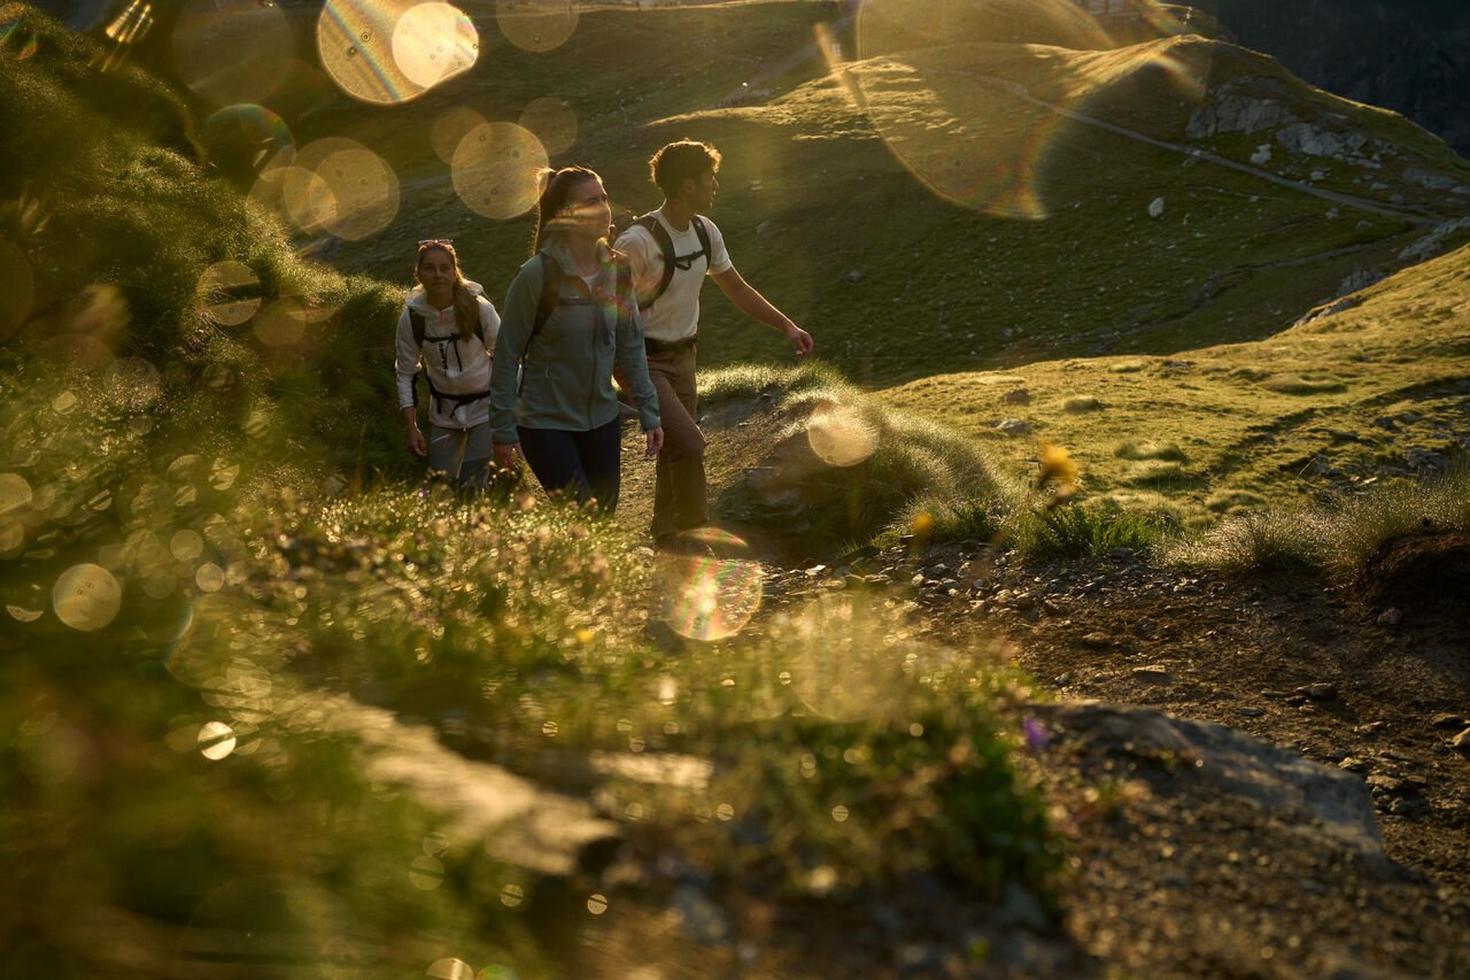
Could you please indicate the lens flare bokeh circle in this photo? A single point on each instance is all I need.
(434, 42)
(339, 186)
(840, 436)
(554, 123)
(711, 587)
(976, 98)
(536, 25)
(231, 51)
(390, 51)
(86, 597)
(247, 139)
(229, 293)
(451, 126)
(496, 168)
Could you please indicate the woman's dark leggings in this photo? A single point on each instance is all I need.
(581, 465)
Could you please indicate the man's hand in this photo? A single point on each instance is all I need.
(655, 440)
(800, 339)
(416, 443)
(507, 455)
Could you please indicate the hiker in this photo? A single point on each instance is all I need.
(671, 250)
(448, 328)
(571, 319)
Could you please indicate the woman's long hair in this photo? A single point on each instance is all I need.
(466, 307)
(554, 192)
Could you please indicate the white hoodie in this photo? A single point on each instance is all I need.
(453, 366)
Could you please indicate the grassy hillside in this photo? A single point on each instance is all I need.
(919, 211)
(1339, 402)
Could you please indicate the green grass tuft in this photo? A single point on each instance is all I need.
(1337, 540)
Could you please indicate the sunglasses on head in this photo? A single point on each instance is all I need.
(435, 241)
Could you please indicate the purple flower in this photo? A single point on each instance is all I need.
(1036, 736)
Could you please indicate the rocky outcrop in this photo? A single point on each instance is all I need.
(1268, 781)
(1242, 105)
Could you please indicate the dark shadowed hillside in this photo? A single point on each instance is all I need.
(1412, 55)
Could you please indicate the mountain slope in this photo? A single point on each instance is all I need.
(960, 203)
(1376, 386)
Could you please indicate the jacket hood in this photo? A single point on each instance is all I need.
(418, 300)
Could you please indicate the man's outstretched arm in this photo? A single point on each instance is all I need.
(748, 300)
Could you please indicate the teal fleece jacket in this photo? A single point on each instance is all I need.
(562, 377)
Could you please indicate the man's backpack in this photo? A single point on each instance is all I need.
(650, 223)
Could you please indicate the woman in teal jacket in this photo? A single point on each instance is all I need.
(570, 320)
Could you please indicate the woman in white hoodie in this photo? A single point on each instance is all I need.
(448, 329)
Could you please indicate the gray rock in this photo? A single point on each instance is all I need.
(1361, 279)
(1390, 617)
(1434, 242)
(1315, 141)
(1233, 111)
(1013, 427)
(1018, 907)
(1307, 796)
(1153, 673)
(1250, 712)
(1447, 721)
(1319, 692)
(1156, 208)
(1097, 641)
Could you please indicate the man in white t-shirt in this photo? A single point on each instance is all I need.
(671, 250)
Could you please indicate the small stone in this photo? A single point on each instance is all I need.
(1154, 673)
(1319, 692)
(1390, 617)
(1354, 764)
(1097, 641)
(1156, 208)
(1023, 602)
(1121, 554)
(1013, 427)
(1461, 742)
(1447, 721)
(1249, 712)
(917, 580)
(853, 277)
(1018, 396)
(1408, 807)
(1382, 784)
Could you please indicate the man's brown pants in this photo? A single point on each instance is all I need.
(680, 497)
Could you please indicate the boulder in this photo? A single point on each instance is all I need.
(1305, 797)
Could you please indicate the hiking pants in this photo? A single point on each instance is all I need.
(581, 465)
(464, 454)
(680, 496)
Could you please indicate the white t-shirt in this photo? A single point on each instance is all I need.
(675, 314)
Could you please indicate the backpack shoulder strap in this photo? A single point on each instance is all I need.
(665, 244)
(704, 245)
(551, 273)
(416, 322)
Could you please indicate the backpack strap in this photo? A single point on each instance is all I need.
(665, 245)
(551, 275)
(420, 328)
(704, 245)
